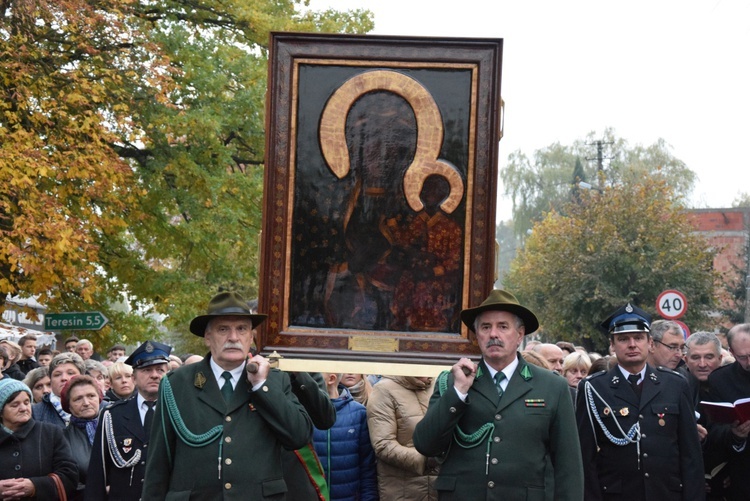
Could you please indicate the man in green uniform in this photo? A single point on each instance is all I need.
(219, 429)
(503, 429)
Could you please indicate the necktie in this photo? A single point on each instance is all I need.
(227, 389)
(633, 378)
(149, 418)
(499, 377)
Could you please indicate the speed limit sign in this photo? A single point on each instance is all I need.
(671, 304)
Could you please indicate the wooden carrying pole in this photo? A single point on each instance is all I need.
(355, 367)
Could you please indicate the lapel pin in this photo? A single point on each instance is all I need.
(661, 420)
(624, 411)
(200, 380)
(606, 411)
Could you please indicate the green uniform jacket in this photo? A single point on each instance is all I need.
(256, 425)
(532, 429)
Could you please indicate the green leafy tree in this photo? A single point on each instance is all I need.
(131, 151)
(627, 243)
(544, 182)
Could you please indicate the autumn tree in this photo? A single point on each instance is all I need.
(131, 151)
(546, 181)
(627, 243)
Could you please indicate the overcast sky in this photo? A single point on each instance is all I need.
(677, 70)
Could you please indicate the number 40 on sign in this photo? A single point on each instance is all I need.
(671, 304)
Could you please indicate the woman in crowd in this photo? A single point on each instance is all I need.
(63, 367)
(359, 387)
(11, 369)
(121, 383)
(38, 380)
(98, 371)
(396, 405)
(576, 366)
(81, 397)
(35, 460)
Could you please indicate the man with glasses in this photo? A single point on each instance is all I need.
(668, 345)
(727, 384)
(636, 423)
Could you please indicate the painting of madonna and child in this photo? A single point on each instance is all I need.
(389, 198)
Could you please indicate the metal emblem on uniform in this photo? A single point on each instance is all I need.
(606, 411)
(653, 377)
(127, 442)
(661, 420)
(200, 380)
(616, 379)
(629, 308)
(624, 411)
(149, 347)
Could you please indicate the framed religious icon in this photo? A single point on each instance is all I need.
(379, 199)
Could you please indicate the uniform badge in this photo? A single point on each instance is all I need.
(629, 308)
(200, 380)
(624, 411)
(653, 377)
(615, 379)
(661, 420)
(252, 407)
(127, 442)
(606, 411)
(149, 347)
(535, 402)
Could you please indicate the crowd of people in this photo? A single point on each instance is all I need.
(530, 420)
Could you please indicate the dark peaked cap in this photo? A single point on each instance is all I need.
(501, 300)
(149, 353)
(627, 319)
(225, 304)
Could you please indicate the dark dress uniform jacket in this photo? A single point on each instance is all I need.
(125, 484)
(256, 425)
(533, 430)
(727, 384)
(671, 462)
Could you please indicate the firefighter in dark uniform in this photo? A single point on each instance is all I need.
(118, 457)
(636, 423)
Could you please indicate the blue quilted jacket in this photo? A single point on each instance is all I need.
(346, 453)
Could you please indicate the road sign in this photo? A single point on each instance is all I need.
(685, 328)
(83, 321)
(671, 304)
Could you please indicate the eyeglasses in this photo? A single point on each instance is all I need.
(671, 347)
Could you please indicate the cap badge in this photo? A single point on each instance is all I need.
(200, 380)
(149, 347)
(629, 308)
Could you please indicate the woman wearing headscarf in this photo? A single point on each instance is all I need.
(35, 460)
(81, 397)
(63, 367)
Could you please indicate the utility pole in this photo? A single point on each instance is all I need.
(599, 159)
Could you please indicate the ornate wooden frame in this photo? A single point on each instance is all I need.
(340, 252)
